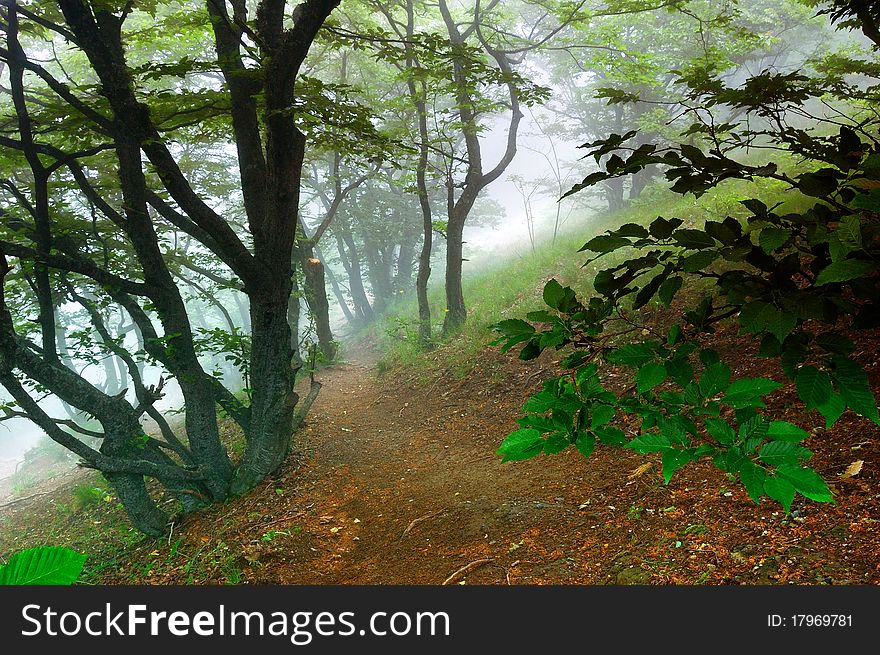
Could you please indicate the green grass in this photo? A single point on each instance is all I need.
(512, 287)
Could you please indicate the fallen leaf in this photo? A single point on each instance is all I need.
(641, 470)
(853, 469)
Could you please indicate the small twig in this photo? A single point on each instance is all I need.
(466, 569)
(507, 571)
(534, 375)
(171, 534)
(415, 522)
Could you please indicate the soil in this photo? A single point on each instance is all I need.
(395, 481)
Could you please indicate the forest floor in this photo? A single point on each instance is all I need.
(395, 481)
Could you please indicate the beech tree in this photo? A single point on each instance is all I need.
(95, 134)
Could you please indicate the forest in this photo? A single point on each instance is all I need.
(534, 291)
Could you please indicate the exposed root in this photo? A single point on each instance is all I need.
(467, 568)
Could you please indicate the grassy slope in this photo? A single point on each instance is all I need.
(512, 287)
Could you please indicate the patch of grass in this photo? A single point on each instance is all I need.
(87, 495)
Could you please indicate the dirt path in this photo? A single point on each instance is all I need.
(404, 486)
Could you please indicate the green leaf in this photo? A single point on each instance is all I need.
(515, 331)
(818, 184)
(530, 351)
(833, 342)
(602, 414)
(574, 360)
(522, 444)
(647, 292)
(755, 206)
(698, 261)
(673, 334)
(748, 317)
(585, 443)
(632, 354)
(556, 443)
(779, 452)
(693, 239)
(785, 431)
(849, 232)
(649, 443)
(869, 200)
(513, 327)
(553, 294)
(771, 318)
(43, 565)
(720, 430)
(542, 316)
(554, 338)
(540, 423)
(843, 270)
(770, 346)
(756, 426)
(541, 402)
(813, 386)
(662, 228)
(852, 382)
(692, 394)
(649, 376)
(721, 231)
(745, 392)
(832, 410)
(715, 379)
(771, 238)
(605, 243)
(631, 230)
(752, 477)
(673, 459)
(781, 490)
(709, 356)
(611, 436)
(668, 289)
(807, 482)
(680, 370)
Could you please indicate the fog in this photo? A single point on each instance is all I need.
(548, 163)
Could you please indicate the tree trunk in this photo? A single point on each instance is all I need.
(243, 312)
(316, 298)
(334, 284)
(272, 394)
(377, 271)
(352, 263)
(456, 313)
(614, 194)
(293, 319)
(639, 181)
(405, 260)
